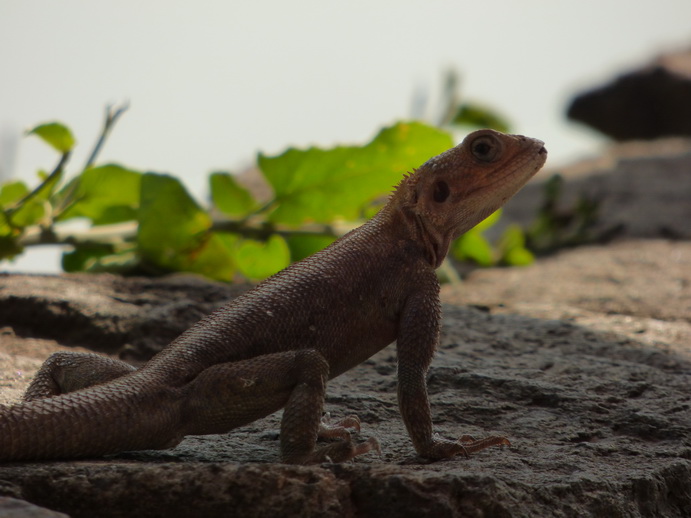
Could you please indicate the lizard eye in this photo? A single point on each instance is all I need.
(441, 191)
(485, 148)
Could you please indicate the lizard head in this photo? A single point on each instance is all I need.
(452, 192)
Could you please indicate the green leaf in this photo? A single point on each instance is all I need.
(106, 194)
(26, 214)
(9, 246)
(512, 247)
(11, 192)
(477, 116)
(174, 232)
(512, 237)
(30, 213)
(518, 257)
(473, 246)
(302, 246)
(229, 196)
(56, 135)
(83, 257)
(258, 260)
(487, 222)
(320, 185)
(50, 183)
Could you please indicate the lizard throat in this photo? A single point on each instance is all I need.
(436, 244)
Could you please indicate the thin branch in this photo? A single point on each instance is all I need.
(263, 231)
(264, 208)
(112, 116)
(102, 234)
(127, 231)
(58, 169)
(449, 99)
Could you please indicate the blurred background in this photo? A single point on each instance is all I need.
(212, 83)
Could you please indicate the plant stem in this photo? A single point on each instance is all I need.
(112, 115)
(127, 231)
(58, 169)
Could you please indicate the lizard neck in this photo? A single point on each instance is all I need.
(435, 242)
(406, 224)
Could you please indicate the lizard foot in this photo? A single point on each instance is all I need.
(472, 445)
(343, 451)
(338, 429)
(443, 448)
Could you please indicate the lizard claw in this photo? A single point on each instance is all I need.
(472, 445)
(370, 444)
(338, 429)
(441, 448)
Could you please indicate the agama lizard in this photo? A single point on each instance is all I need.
(277, 345)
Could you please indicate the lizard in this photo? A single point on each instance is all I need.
(277, 345)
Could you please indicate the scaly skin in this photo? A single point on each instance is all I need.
(278, 344)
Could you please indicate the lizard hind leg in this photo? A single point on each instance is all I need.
(68, 371)
(229, 395)
(302, 420)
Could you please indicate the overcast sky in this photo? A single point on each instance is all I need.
(211, 83)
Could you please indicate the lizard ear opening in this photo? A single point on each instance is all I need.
(441, 191)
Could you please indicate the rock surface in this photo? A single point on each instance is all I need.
(132, 318)
(643, 190)
(649, 103)
(13, 508)
(583, 360)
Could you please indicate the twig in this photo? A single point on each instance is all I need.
(127, 231)
(58, 169)
(112, 115)
(263, 231)
(105, 234)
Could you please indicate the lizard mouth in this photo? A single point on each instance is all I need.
(509, 178)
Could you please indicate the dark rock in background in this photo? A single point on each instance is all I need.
(642, 190)
(649, 103)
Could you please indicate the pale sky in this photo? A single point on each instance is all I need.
(211, 83)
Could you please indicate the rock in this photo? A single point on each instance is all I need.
(590, 382)
(13, 508)
(132, 318)
(632, 278)
(642, 190)
(649, 103)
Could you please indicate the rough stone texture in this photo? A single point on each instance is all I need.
(590, 382)
(643, 190)
(133, 318)
(632, 278)
(13, 508)
(652, 102)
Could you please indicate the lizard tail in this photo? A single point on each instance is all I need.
(114, 417)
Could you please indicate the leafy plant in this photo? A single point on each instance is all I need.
(455, 112)
(509, 250)
(149, 223)
(556, 228)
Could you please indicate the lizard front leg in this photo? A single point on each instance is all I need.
(417, 341)
(230, 395)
